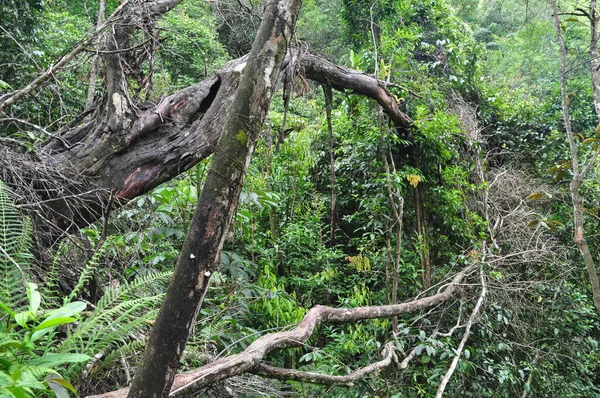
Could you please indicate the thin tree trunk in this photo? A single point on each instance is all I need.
(422, 237)
(333, 215)
(397, 205)
(149, 82)
(94, 70)
(531, 371)
(201, 252)
(389, 272)
(579, 236)
(594, 61)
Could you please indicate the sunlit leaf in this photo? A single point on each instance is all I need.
(590, 140)
(535, 196)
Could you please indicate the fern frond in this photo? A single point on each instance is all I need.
(88, 272)
(124, 351)
(38, 372)
(120, 316)
(15, 257)
(215, 328)
(50, 289)
(143, 285)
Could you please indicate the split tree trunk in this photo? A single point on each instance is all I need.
(157, 142)
(201, 253)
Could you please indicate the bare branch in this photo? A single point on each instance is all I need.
(247, 360)
(465, 337)
(262, 369)
(11, 98)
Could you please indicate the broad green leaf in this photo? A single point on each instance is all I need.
(535, 196)
(15, 392)
(68, 310)
(550, 226)
(48, 323)
(538, 195)
(419, 349)
(52, 360)
(21, 318)
(65, 384)
(60, 386)
(35, 298)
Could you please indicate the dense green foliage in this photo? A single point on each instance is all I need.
(482, 175)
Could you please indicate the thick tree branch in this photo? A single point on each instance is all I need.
(340, 78)
(166, 138)
(247, 360)
(263, 369)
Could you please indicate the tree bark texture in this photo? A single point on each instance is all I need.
(201, 253)
(250, 360)
(95, 63)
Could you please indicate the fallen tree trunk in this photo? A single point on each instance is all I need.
(250, 360)
(159, 140)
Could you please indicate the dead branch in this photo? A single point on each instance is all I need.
(265, 370)
(465, 337)
(126, 8)
(11, 98)
(247, 361)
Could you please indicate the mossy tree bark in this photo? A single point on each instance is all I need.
(218, 201)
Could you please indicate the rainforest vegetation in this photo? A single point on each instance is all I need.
(342, 198)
